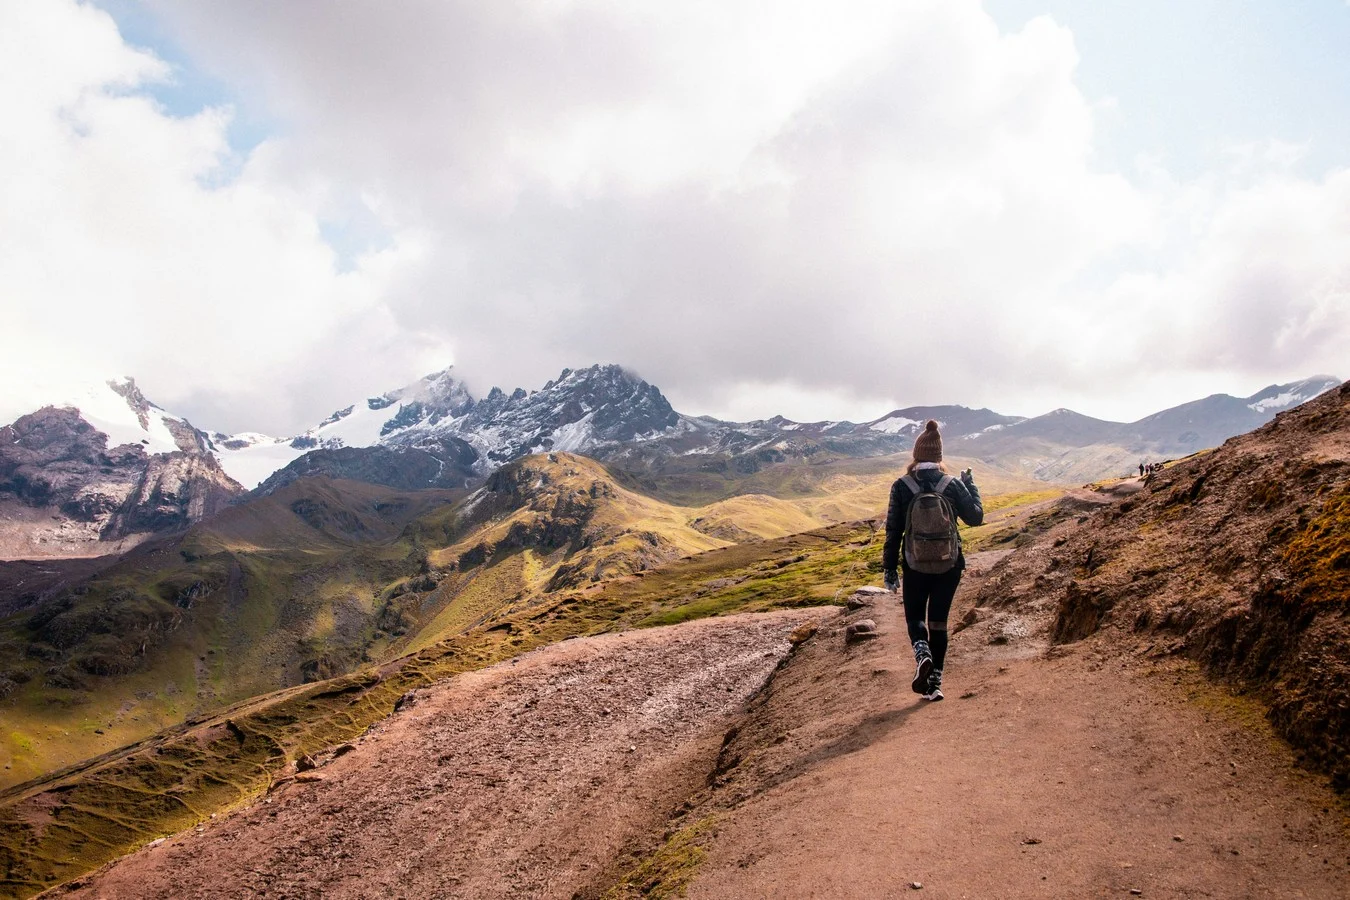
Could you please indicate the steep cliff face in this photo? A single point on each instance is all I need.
(65, 492)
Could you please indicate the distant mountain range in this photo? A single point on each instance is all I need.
(610, 414)
(108, 467)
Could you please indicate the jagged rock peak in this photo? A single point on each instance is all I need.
(439, 391)
(127, 389)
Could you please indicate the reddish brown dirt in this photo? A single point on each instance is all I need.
(521, 780)
(1090, 772)
(1081, 771)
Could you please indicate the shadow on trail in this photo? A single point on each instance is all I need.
(859, 737)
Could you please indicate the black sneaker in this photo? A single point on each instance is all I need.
(924, 673)
(934, 689)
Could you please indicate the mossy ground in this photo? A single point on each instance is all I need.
(1318, 557)
(668, 871)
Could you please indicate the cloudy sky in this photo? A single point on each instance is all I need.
(265, 210)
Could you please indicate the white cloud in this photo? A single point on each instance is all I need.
(135, 242)
(749, 202)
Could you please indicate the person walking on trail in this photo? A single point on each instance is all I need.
(1141, 470)
(921, 521)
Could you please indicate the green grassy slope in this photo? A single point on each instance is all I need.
(268, 594)
(73, 821)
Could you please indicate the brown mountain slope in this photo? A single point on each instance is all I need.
(1239, 558)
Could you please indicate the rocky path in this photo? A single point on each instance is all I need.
(1087, 772)
(523, 780)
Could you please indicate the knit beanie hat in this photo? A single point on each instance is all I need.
(928, 446)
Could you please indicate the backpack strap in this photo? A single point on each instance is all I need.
(942, 484)
(913, 485)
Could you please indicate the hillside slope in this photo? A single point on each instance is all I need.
(605, 768)
(275, 592)
(1239, 558)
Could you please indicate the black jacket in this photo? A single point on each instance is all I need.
(965, 500)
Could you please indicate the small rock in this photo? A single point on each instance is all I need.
(304, 762)
(968, 695)
(803, 633)
(309, 776)
(916, 885)
(156, 842)
(1137, 892)
(1031, 840)
(870, 591)
(858, 601)
(343, 750)
(860, 631)
(632, 748)
(1178, 838)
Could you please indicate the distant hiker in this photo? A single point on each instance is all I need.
(1141, 470)
(925, 503)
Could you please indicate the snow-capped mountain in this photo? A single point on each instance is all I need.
(447, 437)
(435, 433)
(100, 469)
(579, 411)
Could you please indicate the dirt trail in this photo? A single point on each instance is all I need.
(521, 780)
(1084, 773)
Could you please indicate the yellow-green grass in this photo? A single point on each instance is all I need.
(755, 516)
(1012, 518)
(1318, 557)
(469, 598)
(671, 868)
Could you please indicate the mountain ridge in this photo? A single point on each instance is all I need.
(434, 433)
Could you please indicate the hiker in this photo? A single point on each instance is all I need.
(1141, 470)
(925, 503)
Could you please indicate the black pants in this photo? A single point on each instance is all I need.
(928, 602)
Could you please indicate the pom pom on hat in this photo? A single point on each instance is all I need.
(928, 446)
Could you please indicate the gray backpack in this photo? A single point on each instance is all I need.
(932, 543)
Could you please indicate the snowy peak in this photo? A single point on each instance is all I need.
(580, 410)
(116, 408)
(103, 468)
(955, 420)
(1279, 397)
